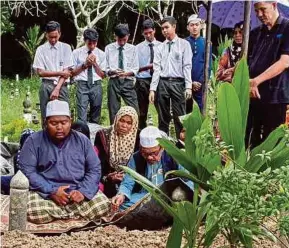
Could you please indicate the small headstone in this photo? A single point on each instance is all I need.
(27, 108)
(17, 77)
(19, 190)
(35, 119)
(16, 92)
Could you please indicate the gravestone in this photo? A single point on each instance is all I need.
(19, 190)
(27, 108)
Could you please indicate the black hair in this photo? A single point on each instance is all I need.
(239, 25)
(121, 30)
(90, 34)
(52, 26)
(170, 19)
(148, 23)
(81, 127)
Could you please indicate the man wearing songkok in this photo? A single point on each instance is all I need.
(152, 162)
(63, 171)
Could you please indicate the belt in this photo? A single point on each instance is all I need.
(44, 80)
(175, 79)
(96, 81)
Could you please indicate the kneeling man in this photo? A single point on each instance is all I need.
(63, 171)
(152, 162)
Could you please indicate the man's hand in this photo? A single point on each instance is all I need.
(188, 94)
(116, 201)
(54, 94)
(60, 197)
(196, 86)
(66, 74)
(254, 92)
(152, 97)
(91, 59)
(122, 74)
(76, 196)
(115, 177)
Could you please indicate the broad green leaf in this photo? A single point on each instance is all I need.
(175, 236)
(187, 214)
(278, 160)
(211, 235)
(192, 123)
(230, 119)
(255, 162)
(178, 155)
(241, 83)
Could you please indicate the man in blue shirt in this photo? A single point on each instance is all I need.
(63, 171)
(152, 162)
(198, 45)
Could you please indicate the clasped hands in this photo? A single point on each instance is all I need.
(61, 198)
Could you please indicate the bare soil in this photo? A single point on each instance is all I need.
(104, 237)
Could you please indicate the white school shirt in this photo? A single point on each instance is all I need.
(144, 56)
(79, 57)
(130, 57)
(176, 63)
(53, 58)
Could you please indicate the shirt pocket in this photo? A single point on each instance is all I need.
(177, 56)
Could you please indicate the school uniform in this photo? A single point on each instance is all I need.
(52, 58)
(172, 76)
(89, 89)
(145, 51)
(126, 59)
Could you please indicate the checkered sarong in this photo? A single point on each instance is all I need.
(40, 211)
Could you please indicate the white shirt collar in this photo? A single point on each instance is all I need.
(173, 40)
(55, 46)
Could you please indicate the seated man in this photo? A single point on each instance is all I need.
(63, 171)
(152, 162)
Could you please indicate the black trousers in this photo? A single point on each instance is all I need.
(120, 88)
(173, 91)
(45, 91)
(88, 93)
(142, 88)
(263, 118)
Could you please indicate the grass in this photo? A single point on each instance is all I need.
(12, 121)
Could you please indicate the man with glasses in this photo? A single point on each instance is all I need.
(145, 50)
(89, 62)
(152, 162)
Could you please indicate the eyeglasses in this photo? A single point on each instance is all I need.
(151, 154)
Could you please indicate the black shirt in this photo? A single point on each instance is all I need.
(265, 48)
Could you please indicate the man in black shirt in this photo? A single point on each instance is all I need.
(268, 59)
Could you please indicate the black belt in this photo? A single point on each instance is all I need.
(175, 79)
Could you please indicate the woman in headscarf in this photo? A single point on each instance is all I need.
(115, 145)
(231, 56)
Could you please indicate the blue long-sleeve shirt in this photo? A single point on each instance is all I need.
(198, 60)
(154, 173)
(49, 166)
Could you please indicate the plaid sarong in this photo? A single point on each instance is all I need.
(40, 211)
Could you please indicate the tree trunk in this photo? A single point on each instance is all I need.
(136, 26)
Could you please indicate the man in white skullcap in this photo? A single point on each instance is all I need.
(63, 171)
(151, 161)
(198, 46)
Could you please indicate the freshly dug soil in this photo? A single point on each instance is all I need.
(103, 237)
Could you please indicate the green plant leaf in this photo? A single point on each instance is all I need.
(255, 162)
(175, 236)
(179, 155)
(230, 119)
(241, 83)
(192, 123)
